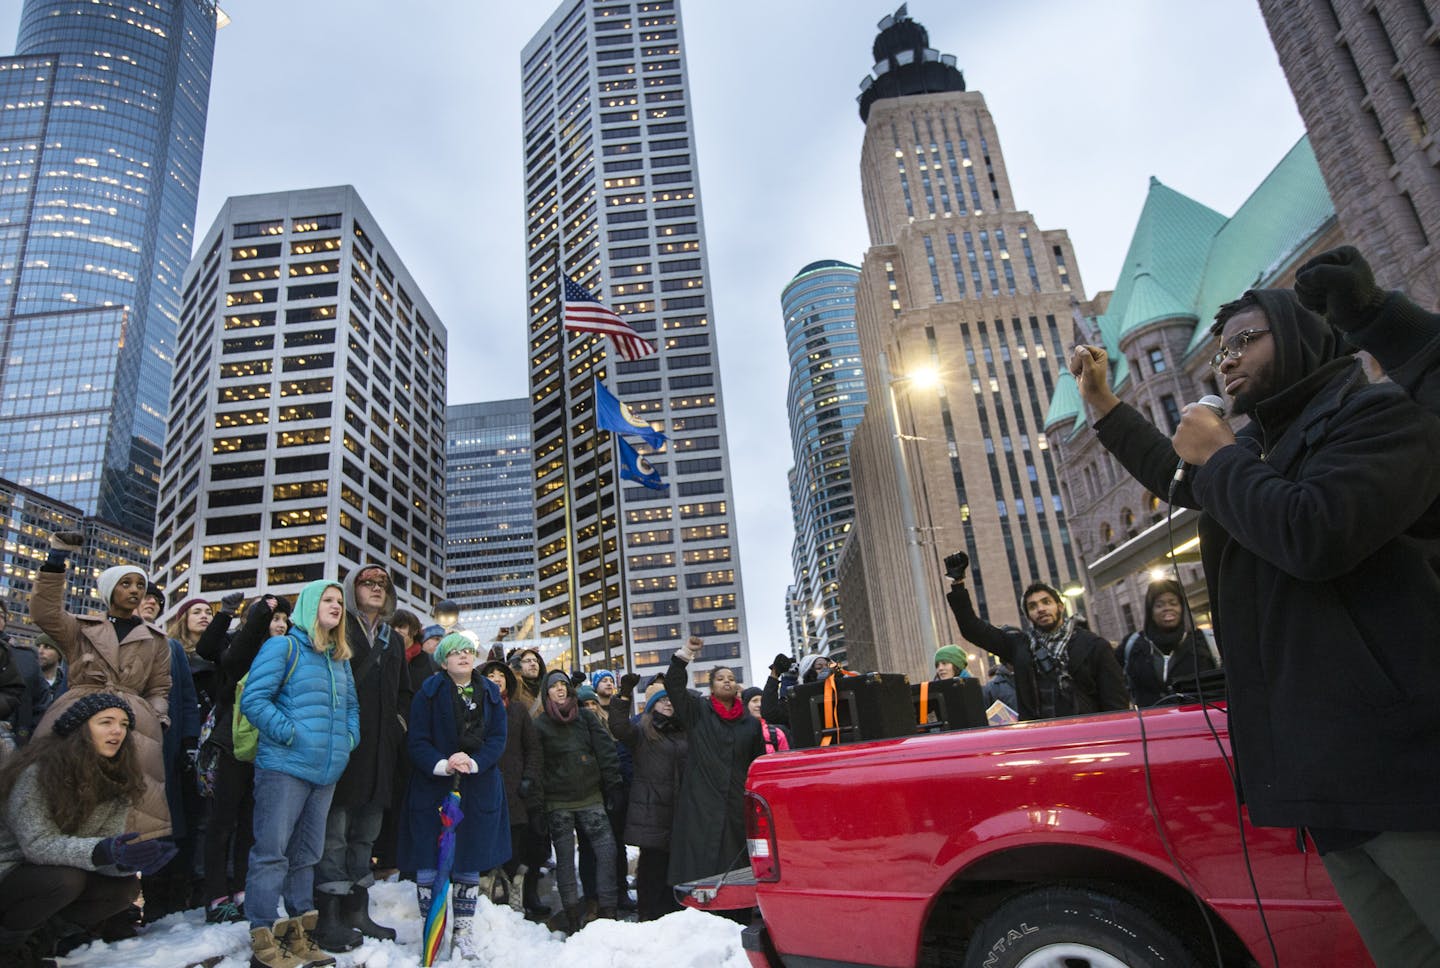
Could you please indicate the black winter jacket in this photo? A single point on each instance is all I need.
(655, 785)
(382, 687)
(579, 759)
(1318, 542)
(709, 830)
(1098, 684)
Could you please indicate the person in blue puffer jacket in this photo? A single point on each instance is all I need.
(300, 697)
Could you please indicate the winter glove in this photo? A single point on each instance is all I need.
(628, 682)
(67, 540)
(539, 824)
(612, 800)
(781, 665)
(231, 602)
(578, 678)
(124, 851)
(1340, 286)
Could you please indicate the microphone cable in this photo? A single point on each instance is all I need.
(1188, 623)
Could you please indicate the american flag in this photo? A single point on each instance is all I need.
(586, 314)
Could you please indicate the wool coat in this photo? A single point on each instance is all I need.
(482, 840)
(136, 669)
(1318, 536)
(709, 830)
(659, 766)
(28, 834)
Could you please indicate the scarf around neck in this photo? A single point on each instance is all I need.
(728, 713)
(562, 712)
(1057, 640)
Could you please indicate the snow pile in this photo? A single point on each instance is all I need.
(687, 939)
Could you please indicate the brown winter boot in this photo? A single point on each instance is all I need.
(266, 951)
(299, 943)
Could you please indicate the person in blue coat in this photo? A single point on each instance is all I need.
(301, 699)
(457, 735)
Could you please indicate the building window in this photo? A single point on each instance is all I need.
(1172, 411)
(1157, 360)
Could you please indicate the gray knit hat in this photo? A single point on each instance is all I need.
(87, 706)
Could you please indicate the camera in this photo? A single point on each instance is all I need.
(956, 565)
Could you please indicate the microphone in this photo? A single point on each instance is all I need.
(1217, 406)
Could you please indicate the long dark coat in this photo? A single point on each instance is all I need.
(655, 786)
(184, 724)
(1319, 557)
(523, 763)
(709, 830)
(482, 841)
(382, 684)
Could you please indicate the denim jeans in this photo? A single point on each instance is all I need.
(289, 834)
(596, 825)
(350, 834)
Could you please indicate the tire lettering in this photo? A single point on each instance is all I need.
(1011, 936)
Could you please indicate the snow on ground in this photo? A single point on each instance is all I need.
(687, 939)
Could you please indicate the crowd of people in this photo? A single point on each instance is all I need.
(269, 761)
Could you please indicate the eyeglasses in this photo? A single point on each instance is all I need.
(1231, 348)
(379, 583)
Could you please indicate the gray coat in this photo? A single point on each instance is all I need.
(28, 834)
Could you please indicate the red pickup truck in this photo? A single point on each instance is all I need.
(1037, 844)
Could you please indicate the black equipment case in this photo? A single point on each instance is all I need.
(874, 705)
(950, 704)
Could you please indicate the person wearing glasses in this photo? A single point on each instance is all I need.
(382, 685)
(1318, 556)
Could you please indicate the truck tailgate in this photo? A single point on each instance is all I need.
(734, 890)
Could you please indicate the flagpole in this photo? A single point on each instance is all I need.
(565, 475)
(624, 580)
(600, 527)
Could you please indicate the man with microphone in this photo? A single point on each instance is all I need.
(1316, 551)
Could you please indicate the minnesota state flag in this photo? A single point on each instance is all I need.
(634, 467)
(612, 415)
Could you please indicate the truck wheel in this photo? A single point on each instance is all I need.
(1073, 928)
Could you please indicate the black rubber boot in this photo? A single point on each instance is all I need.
(331, 931)
(355, 908)
(530, 893)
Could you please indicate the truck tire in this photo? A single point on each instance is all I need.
(1058, 927)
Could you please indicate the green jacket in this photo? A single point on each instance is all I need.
(580, 761)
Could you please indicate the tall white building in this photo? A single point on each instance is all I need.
(613, 203)
(307, 413)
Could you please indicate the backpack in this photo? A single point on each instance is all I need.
(244, 735)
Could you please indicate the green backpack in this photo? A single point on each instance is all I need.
(243, 734)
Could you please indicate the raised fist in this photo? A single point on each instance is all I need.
(628, 682)
(67, 540)
(783, 663)
(231, 602)
(1340, 286)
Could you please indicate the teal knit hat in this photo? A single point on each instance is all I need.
(454, 642)
(953, 654)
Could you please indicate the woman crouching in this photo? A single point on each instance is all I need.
(64, 854)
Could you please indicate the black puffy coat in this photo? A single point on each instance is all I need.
(1318, 539)
(655, 785)
(709, 830)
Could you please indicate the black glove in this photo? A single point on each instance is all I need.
(1340, 286)
(956, 566)
(67, 540)
(539, 824)
(628, 682)
(578, 678)
(612, 800)
(146, 856)
(231, 602)
(782, 664)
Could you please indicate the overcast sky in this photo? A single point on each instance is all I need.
(417, 105)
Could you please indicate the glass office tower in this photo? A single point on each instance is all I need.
(102, 127)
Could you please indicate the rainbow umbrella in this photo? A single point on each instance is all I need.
(438, 920)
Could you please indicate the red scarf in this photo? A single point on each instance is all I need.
(728, 713)
(411, 651)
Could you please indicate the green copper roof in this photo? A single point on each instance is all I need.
(1267, 232)
(1186, 259)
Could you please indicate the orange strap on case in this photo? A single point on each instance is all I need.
(830, 703)
(924, 702)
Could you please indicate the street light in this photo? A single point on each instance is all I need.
(926, 377)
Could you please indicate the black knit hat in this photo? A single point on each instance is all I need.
(87, 706)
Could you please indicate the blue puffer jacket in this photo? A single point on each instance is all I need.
(309, 725)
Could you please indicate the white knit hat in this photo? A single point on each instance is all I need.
(110, 577)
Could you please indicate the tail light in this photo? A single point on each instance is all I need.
(760, 839)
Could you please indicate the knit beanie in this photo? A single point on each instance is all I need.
(599, 674)
(432, 632)
(953, 654)
(86, 706)
(185, 606)
(586, 693)
(750, 693)
(654, 696)
(454, 642)
(110, 577)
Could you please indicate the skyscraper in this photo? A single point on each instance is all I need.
(489, 514)
(825, 401)
(961, 304)
(307, 422)
(102, 126)
(613, 202)
(1367, 81)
